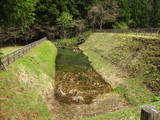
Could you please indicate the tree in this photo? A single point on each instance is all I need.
(111, 11)
(94, 15)
(155, 13)
(46, 12)
(124, 10)
(103, 13)
(80, 26)
(17, 13)
(140, 13)
(65, 22)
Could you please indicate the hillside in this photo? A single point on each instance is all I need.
(129, 62)
(25, 84)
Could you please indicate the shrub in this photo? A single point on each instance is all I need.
(81, 38)
(71, 42)
(120, 25)
(65, 22)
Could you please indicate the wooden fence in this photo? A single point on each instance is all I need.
(149, 113)
(140, 30)
(11, 57)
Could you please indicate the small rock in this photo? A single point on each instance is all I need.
(78, 99)
(73, 91)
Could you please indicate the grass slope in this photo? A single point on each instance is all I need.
(25, 83)
(128, 114)
(121, 60)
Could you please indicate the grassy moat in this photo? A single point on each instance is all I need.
(76, 81)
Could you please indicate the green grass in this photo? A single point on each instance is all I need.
(26, 82)
(114, 56)
(128, 114)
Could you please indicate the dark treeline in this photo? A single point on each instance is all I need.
(73, 16)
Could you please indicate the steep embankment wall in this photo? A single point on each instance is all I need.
(25, 84)
(129, 62)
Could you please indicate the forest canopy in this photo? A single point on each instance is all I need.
(95, 13)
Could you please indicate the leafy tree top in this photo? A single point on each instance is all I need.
(65, 20)
(17, 13)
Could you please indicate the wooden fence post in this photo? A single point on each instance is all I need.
(1, 65)
(17, 54)
(8, 60)
(149, 113)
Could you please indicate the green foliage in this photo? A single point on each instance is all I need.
(102, 13)
(83, 37)
(135, 13)
(49, 10)
(140, 13)
(72, 42)
(17, 13)
(120, 25)
(65, 22)
(46, 12)
(1, 53)
(155, 13)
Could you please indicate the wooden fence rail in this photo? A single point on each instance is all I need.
(11, 57)
(140, 30)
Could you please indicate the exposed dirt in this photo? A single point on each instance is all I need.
(2, 116)
(102, 104)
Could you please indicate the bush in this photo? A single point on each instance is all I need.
(81, 38)
(120, 25)
(71, 42)
(65, 22)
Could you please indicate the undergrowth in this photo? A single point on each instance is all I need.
(72, 42)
